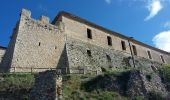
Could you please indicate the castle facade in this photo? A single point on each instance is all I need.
(73, 45)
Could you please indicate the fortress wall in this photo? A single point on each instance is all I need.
(79, 58)
(38, 44)
(76, 29)
(2, 52)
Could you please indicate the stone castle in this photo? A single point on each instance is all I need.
(73, 45)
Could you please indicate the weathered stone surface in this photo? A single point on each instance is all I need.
(2, 52)
(142, 83)
(48, 86)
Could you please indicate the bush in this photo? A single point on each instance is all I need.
(155, 96)
(165, 72)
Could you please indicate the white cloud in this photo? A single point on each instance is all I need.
(108, 1)
(167, 24)
(154, 7)
(162, 40)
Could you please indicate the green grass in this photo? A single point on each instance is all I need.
(17, 81)
(16, 86)
(72, 90)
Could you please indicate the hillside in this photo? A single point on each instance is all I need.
(111, 85)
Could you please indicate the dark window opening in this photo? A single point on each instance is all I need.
(89, 34)
(108, 58)
(123, 45)
(55, 47)
(162, 58)
(89, 53)
(149, 54)
(134, 50)
(39, 43)
(109, 40)
(148, 77)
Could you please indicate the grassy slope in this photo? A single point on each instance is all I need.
(15, 86)
(73, 89)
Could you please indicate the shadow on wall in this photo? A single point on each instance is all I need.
(47, 86)
(63, 65)
(5, 65)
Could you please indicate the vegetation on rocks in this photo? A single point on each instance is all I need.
(109, 86)
(165, 75)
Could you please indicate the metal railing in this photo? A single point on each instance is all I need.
(65, 70)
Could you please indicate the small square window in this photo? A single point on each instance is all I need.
(108, 58)
(89, 34)
(89, 53)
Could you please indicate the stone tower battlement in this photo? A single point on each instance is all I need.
(43, 22)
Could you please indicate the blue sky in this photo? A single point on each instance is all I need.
(146, 20)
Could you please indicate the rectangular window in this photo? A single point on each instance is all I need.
(149, 54)
(89, 53)
(89, 34)
(123, 45)
(134, 50)
(162, 58)
(109, 40)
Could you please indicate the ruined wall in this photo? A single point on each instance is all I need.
(38, 46)
(78, 30)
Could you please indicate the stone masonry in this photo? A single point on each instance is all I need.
(73, 45)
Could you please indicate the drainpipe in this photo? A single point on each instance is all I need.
(131, 51)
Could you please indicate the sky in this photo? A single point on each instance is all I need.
(147, 21)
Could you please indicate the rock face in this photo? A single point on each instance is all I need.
(142, 84)
(47, 86)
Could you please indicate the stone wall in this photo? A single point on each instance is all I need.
(38, 45)
(2, 52)
(47, 86)
(100, 57)
(78, 29)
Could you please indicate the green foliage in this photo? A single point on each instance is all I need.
(165, 72)
(138, 98)
(18, 81)
(153, 95)
(15, 86)
(72, 90)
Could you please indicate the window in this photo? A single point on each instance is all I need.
(108, 58)
(55, 47)
(162, 58)
(39, 44)
(149, 54)
(123, 45)
(134, 50)
(89, 53)
(109, 40)
(89, 34)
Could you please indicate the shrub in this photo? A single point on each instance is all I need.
(153, 95)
